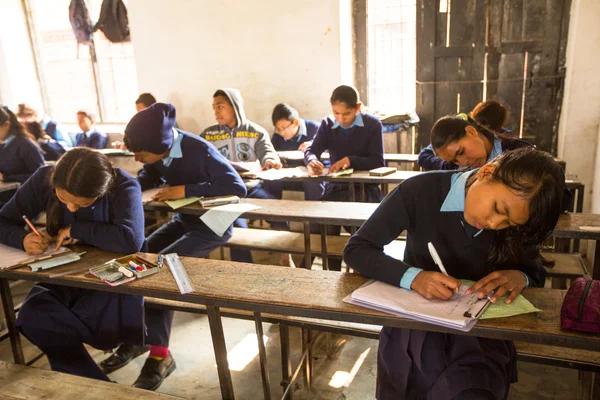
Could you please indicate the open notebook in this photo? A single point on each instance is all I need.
(410, 304)
(12, 256)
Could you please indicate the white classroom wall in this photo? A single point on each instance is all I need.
(578, 133)
(271, 50)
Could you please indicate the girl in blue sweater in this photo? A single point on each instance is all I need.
(20, 155)
(90, 202)
(487, 225)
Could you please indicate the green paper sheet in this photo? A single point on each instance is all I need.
(500, 309)
(175, 204)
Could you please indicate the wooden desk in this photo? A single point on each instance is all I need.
(6, 186)
(296, 157)
(292, 292)
(568, 226)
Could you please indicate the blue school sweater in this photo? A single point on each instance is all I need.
(415, 206)
(54, 130)
(114, 222)
(200, 167)
(306, 132)
(20, 157)
(363, 145)
(94, 139)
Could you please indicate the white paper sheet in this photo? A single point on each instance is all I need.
(220, 218)
(10, 256)
(413, 305)
(148, 194)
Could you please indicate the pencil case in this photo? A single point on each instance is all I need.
(581, 307)
(111, 271)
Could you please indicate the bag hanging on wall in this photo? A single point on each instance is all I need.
(581, 306)
(113, 21)
(81, 23)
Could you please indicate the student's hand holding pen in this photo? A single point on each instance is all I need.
(34, 244)
(272, 164)
(435, 285)
(510, 280)
(170, 193)
(344, 163)
(316, 167)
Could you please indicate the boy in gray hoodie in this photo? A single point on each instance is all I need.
(241, 140)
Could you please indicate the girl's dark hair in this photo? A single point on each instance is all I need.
(345, 94)
(536, 176)
(284, 111)
(35, 128)
(146, 99)
(450, 129)
(491, 114)
(82, 172)
(16, 127)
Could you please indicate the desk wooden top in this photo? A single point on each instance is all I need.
(355, 177)
(313, 294)
(327, 212)
(569, 226)
(6, 186)
(297, 155)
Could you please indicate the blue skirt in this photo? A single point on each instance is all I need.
(414, 364)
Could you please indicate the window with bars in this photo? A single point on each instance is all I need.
(71, 78)
(391, 55)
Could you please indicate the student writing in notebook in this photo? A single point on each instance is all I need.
(354, 140)
(20, 155)
(487, 225)
(191, 167)
(88, 201)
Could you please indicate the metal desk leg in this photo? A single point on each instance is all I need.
(352, 193)
(596, 270)
(307, 250)
(324, 247)
(262, 353)
(9, 314)
(385, 188)
(286, 362)
(579, 208)
(362, 192)
(216, 331)
(307, 337)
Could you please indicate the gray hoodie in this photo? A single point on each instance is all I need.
(247, 141)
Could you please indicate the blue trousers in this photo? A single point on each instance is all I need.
(257, 192)
(60, 319)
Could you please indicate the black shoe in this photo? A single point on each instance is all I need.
(121, 357)
(154, 372)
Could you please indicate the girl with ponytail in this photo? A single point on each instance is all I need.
(88, 201)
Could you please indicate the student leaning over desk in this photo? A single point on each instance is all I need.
(487, 225)
(191, 167)
(90, 202)
(20, 156)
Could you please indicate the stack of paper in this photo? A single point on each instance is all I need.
(220, 218)
(12, 256)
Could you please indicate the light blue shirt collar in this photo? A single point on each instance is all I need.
(45, 121)
(455, 199)
(496, 149)
(358, 121)
(301, 132)
(8, 140)
(175, 149)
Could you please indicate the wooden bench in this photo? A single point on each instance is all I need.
(293, 242)
(21, 382)
(568, 266)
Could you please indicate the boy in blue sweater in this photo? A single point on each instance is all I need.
(293, 133)
(89, 135)
(354, 140)
(191, 167)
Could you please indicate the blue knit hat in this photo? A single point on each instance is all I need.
(151, 129)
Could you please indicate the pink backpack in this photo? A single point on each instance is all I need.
(581, 307)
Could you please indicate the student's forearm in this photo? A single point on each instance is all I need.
(11, 235)
(108, 237)
(366, 163)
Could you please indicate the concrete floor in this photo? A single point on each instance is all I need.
(350, 376)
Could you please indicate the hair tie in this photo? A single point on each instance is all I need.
(463, 116)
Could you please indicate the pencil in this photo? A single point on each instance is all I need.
(31, 226)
